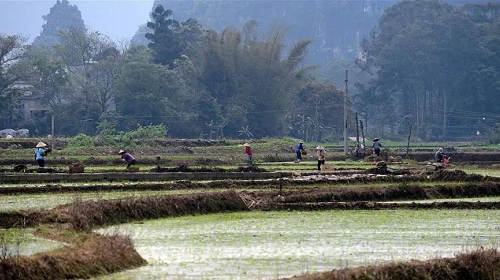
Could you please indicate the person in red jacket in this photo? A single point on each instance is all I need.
(248, 151)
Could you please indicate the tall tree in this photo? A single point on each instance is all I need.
(13, 70)
(93, 64)
(163, 41)
(249, 78)
(424, 54)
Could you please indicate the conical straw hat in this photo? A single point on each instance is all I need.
(41, 145)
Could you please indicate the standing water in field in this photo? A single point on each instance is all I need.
(269, 245)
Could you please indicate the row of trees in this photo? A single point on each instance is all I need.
(434, 65)
(427, 63)
(198, 82)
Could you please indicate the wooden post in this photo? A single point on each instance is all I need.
(363, 136)
(357, 135)
(52, 134)
(345, 114)
(408, 145)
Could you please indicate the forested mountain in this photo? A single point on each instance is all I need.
(336, 27)
(62, 16)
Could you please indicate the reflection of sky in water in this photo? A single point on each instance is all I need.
(268, 245)
(23, 242)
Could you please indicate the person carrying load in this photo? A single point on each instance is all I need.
(40, 153)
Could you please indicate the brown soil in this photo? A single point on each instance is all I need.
(400, 192)
(185, 168)
(336, 178)
(28, 143)
(455, 156)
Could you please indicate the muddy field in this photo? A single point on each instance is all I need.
(271, 220)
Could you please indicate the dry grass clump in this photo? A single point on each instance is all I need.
(401, 192)
(90, 257)
(478, 265)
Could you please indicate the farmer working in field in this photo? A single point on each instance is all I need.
(440, 156)
(248, 151)
(376, 146)
(127, 157)
(298, 150)
(40, 153)
(320, 152)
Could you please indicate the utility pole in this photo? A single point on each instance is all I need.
(409, 138)
(357, 136)
(52, 133)
(363, 136)
(345, 114)
(304, 128)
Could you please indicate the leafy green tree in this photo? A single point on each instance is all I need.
(425, 54)
(140, 96)
(50, 78)
(94, 65)
(249, 79)
(13, 71)
(163, 40)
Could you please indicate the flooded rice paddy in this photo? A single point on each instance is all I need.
(50, 200)
(23, 242)
(269, 245)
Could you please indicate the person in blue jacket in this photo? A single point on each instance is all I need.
(40, 154)
(298, 150)
(376, 146)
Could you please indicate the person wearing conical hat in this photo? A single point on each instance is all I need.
(249, 152)
(376, 146)
(40, 153)
(320, 152)
(127, 157)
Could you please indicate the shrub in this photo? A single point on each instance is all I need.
(81, 140)
(494, 136)
(147, 132)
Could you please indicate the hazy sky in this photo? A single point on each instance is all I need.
(118, 19)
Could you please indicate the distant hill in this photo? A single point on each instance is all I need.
(62, 16)
(118, 18)
(336, 27)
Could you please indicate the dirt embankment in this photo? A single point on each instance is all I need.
(478, 265)
(89, 256)
(85, 215)
(29, 143)
(472, 156)
(389, 193)
(337, 178)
